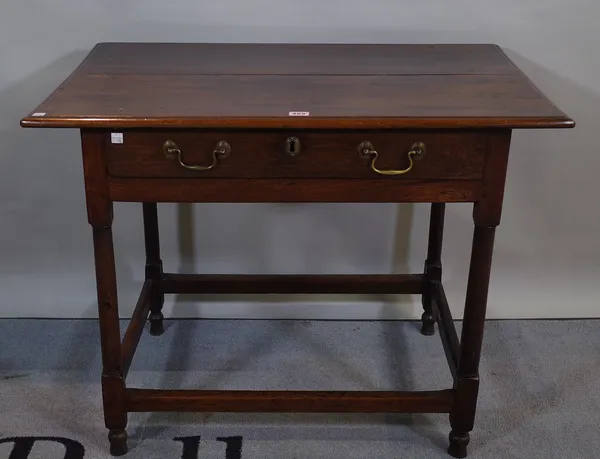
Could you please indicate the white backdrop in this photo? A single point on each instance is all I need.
(547, 246)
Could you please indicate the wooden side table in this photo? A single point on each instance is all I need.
(295, 123)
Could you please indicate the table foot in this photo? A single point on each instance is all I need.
(428, 324)
(118, 442)
(458, 444)
(156, 324)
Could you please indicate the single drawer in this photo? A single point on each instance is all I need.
(295, 154)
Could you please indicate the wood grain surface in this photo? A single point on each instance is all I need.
(121, 85)
(322, 154)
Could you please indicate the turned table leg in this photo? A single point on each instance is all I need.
(433, 265)
(113, 384)
(154, 267)
(100, 217)
(467, 383)
(486, 216)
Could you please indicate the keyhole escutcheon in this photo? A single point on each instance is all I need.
(292, 146)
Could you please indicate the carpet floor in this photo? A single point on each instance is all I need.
(539, 396)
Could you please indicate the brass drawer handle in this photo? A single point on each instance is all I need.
(172, 151)
(366, 150)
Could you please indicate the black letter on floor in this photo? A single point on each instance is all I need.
(23, 445)
(234, 447)
(191, 445)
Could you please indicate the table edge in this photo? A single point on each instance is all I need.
(299, 123)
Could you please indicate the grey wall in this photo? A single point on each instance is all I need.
(547, 250)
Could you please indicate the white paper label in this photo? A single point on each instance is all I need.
(38, 114)
(299, 113)
(116, 137)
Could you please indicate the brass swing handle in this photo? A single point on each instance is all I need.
(366, 150)
(221, 150)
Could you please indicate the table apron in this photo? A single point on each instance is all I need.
(293, 190)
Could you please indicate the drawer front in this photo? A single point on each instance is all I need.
(296, 154)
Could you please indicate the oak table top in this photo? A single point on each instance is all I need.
(298, 86)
